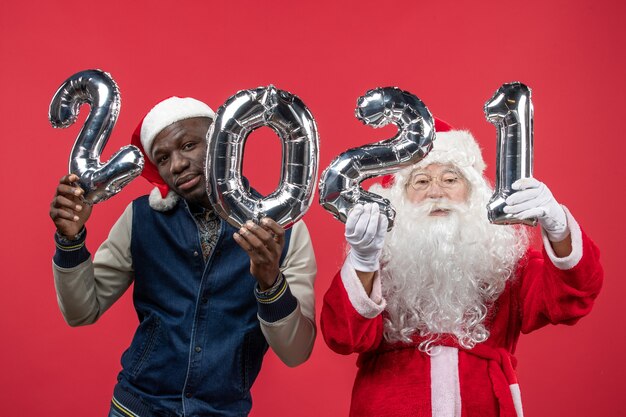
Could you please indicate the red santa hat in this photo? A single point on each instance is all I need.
(168, 111)
(456, 147)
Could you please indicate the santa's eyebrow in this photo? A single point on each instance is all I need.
(452, 171)
(443, 171)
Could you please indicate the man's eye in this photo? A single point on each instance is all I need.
(421, 181)
(188, 145)
(451, 180)
(161, 159)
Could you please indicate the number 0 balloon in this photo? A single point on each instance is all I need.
(339, 184)
(244, 112)
(97, 88)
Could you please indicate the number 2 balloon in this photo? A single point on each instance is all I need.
(97, 88)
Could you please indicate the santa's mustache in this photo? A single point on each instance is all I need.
(439, 204)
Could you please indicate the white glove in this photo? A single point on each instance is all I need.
(534, 199)
(365, 233)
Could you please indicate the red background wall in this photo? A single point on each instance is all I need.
(453, 55)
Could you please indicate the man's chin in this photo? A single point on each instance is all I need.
(196, 195)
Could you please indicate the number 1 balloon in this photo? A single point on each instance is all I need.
(97, 88)
(511, 111)
(242, 113)
(340, 183)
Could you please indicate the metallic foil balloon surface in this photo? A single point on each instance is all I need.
(97, 88)
(339, 184)
(511, 111)
(242, 113)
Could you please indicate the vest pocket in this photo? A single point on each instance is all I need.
(252, 351)
(145, 342)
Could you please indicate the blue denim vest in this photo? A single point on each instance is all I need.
(199, 346)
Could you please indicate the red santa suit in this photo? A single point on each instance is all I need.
(400, 380)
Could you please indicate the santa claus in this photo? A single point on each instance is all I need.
(434, 308)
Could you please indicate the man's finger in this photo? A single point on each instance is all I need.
(257, 245)
(246, 246)
(372, 226)
(383, 223)
(526, 183)
(276, 229)
(360, 229)
(65, 203)
(533, 212)
(69, 190)
(69, 179)
(263, 235)
(57, 214)
(524, 195)
(353, 218)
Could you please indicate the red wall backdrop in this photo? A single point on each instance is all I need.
(453, 55)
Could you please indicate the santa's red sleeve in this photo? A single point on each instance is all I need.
(351, 320)
(557, 290)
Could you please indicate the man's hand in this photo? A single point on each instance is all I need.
(67, 210)
(534, 199)
(365, 233)
(264, 244)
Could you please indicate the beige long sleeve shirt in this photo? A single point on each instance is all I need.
(87, 290)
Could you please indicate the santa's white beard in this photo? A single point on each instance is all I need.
(440, 275)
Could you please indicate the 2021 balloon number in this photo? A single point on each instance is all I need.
(510, 109)
(97, 88)
(340, 186)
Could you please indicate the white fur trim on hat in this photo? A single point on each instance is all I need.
(159, 203)
(456, 147)
(170, 111)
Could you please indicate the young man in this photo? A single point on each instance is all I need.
(209, 298)
(435, 307)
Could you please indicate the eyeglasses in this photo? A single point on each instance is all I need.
(447, 180)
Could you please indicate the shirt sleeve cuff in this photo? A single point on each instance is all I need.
(70, 252)
(367, 306)
(573, 258)
(277, 302)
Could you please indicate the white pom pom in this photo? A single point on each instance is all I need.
(162, 204)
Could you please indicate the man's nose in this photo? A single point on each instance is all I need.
(435, 190)
(179, 163)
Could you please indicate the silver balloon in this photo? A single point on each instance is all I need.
(292, 121)
(97, 88)
(511, 111)
(339, 184)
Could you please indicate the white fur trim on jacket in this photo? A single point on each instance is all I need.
(517, 399)
(573, 258)
(368, 307)
(162, 204)
(445, 385)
